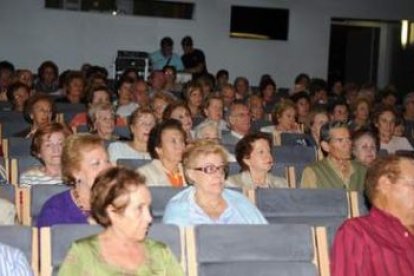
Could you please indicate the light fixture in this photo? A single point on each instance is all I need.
(404, 33)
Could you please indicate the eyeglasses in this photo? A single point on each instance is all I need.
(212, 169)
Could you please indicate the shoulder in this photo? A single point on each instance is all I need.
(279, 182)
(235, 180)
(268, 129)
(176, 207)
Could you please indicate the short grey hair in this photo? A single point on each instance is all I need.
(207, 124)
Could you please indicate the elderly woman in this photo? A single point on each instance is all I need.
(102, 121)
(180, 112)
(364, 147)
(83, 158)
(166, 145)
(47, 146)
(121, 205)
(384, 121)
(207, 202)
(17, 94)
(214, 110)
(39, 111)
(284, 120)
(141, 122)
(208, 130)
(254, 155)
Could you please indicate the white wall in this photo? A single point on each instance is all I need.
(30, 34)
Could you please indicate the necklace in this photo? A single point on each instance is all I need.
(78, 203)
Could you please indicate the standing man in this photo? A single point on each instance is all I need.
(382, 242)
(165, 56)
(193, 59)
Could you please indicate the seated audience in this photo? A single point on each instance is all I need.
(239, 122)
(213, 110)
(74, 85)
(48, 74)
(125, 104)
(336, 170)
(47, 146)
(208, 130)
(302, 105)
(13, 262)
(120, 203)
(222, 78)
(384, 121)
(141, 122)
(171, 85)
(166, 145)
(102, 121)
(229, 95)
(364, 147)
(38, 111)
(140, 93)
(207, 201)
(83, 158)
(180, 112)
(284, 120)
(302, 82)
(382, 242)
(268, 93)
(193, 94)
(361, 115)
(318, 91)
(25, 76)
(166, 56)
(18, 93)
(254, 155)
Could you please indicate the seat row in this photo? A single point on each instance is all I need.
(310, 206)
(278, 249)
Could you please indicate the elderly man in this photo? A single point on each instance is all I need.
(239, 122)
(382, 242)
(336, 170)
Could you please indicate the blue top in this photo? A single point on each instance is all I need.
(60, 209)
(13, 262)
(184, 211)
(158, 61)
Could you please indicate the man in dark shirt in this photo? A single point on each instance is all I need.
(193, 59)
(382, 242)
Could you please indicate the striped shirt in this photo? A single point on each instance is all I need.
(36, 175)
(13, 262)
(376, 244)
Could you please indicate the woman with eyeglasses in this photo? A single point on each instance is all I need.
(207, 201)
(254, 155)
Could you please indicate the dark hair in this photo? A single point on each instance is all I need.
(13, 88)
(245, 147)
(91, 93)
(300, 77)
(129, 70)
(222, 72)
(45, 65)
(38, 97)
(325, 134)
(334, 104)
(381, 109)
(124, 80)
(71, 75)
(356, 135)
(166, 67)
(317, 85)
(155, 136)
(166, 42)
(265, 83)
(187, 41)
(6, 65)
(300, 95)
(109, 186)
(171, 107)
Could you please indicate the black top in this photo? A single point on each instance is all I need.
(194, 58)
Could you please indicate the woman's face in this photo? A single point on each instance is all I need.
(100, 96)
(75, 90)
(268, 92)
(41, 113)
(51, 148)
(134, 221)
(241, 87)
(196, 98)
(48, 75)
(142, 127)
(365, 150)
(94, 160)
(125, 92)
(302, 107)
(208, 174)
(319, 120)
(159, 106)
(26, 77)
(215, 110)
(181, 114)
(260, 159)
(172, 146)
(104, 122)
(386, 125)
(20, 97)
(362, 111)
(286, 120)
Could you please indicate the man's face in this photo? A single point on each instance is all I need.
(339, 144)
(340, 113)
(167, 51)
(140, 93)
(240, 119)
